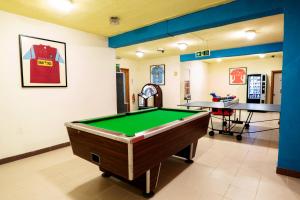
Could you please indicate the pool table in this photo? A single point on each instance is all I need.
(132, 146)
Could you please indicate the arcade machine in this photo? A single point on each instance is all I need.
(148, 91)
(256, 88)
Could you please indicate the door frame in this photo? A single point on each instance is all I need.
(127, 89)
(272, 84)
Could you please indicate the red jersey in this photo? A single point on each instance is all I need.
(238, 75)
(44, 64)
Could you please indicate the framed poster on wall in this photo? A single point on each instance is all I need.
(237, 76)
(157, 74)
(43, 62)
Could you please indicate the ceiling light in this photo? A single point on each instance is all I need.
(250, 34)
(139, 54)
(219, 59)
(62, 5)
(182, 46)
(262, 55)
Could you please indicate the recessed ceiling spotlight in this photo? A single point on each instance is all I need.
(62, 5)
(139, 54)
(262, 55)
(114, 20)
(182, 46)
(219, 59)
(250, 34)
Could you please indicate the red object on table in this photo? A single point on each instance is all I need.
(222, 111)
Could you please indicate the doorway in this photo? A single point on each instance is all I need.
(126, 95)
(276, 83)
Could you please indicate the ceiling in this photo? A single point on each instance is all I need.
(268, 29)
(93, 15)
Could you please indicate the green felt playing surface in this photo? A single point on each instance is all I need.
(134, 123)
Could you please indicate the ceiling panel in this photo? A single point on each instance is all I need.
(93, 15)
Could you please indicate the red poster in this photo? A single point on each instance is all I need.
(237, 76)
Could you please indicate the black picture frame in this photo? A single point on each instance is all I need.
(24, 84)
(163, 66)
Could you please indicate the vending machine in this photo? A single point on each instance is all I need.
(256, 88)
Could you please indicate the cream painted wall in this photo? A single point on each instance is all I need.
(171, 90)
(205, 77)
(139, 72)
(219, 75)
(197, 73)
(33, 118)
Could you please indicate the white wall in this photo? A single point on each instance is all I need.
(139, 75)
(205, 77)
(171, 89)
(197, 73)
(219, 75)
(33, 118)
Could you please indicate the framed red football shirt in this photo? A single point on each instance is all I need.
(44, 64)
(237, 76)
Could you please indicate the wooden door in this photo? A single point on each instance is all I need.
(127, 95)
(276, 87)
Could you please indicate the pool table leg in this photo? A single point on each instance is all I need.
(151, 180)
(106, 174)
(189, 152)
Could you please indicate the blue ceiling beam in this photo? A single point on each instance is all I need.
(241, 51)
(233, 12)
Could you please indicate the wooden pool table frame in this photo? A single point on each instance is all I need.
(138, 159)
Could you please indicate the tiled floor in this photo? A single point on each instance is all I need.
(223, 169)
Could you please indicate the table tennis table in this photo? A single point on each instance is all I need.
(229, 123)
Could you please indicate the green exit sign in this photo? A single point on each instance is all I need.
(202, 53)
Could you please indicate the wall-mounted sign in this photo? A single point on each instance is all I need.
(202, 53)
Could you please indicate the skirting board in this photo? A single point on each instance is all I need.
(32, 153)
(288, 172)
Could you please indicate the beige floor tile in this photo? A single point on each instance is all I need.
(176, 192)
(247, 178)
(238, 193)
(192, 177)
(211, 159)
(210, 196)
(226, 175)
(214, 185)
(275, 190)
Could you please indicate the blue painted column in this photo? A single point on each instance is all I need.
(289, 143)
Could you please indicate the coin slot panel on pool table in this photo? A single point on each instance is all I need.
(95, 158)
